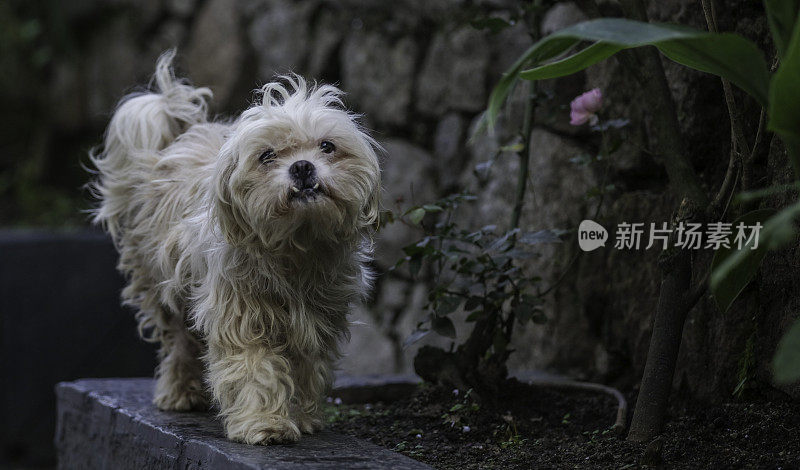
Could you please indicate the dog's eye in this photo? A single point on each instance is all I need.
(267, 156)
(327, 146)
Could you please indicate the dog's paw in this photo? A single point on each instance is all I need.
(309, 424)
(190, 400)
(272, 430)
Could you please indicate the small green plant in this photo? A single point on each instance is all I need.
(417, 451)
(461, 411)
(595, 435)
(747, 366)
(513, 440)
(512, 436)
(335, 413)
(475, 273)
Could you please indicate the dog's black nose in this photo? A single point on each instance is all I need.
(303, 171)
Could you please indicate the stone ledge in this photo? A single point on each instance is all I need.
(110, 423)
(374, 388)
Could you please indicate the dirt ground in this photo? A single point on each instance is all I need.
(534, 427)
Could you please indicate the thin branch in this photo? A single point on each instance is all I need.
(739, 145)
(562, 276)
(759, 134)
(728, 182)
(524, 156)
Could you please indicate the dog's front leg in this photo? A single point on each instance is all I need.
(253, 387)
(313, 378)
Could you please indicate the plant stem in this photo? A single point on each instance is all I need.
(524, 156)
(738, 141)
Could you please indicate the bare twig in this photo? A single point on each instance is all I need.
(747, 165)
(761, 121)
(739, 145)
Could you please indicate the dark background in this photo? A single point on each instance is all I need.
(61, 320)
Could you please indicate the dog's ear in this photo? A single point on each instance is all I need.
(232, 222)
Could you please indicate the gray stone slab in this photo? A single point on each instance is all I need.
(374, 388)
(110, 423)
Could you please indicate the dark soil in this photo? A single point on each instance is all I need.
(535, 427)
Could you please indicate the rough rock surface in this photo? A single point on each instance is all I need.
(453, 76)
(214, 54)
(380, 75)
(279, 36)
(110, 423)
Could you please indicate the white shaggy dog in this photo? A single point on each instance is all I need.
(244, 244)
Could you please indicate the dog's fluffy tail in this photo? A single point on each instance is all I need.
(143, 124)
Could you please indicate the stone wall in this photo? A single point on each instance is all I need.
(421, 74)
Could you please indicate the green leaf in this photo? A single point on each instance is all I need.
(732, 269)
(499, 342)
(444, 326)
(503, 242)
(542, 236)
(416, 215)
(575, 63)
(784, 98)
(447, 304)
(782, 16)
(542, 50)
(475, 316)
(432, 208)
(385, 218)
(779, 230)
(415, 336)
(516, 147)
(473, 302)
(786, 363)
(731, 273)
(727, 55)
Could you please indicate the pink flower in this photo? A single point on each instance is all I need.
(584, 107)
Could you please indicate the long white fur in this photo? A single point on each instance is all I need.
(246, 290)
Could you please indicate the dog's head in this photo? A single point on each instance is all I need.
(297, 167)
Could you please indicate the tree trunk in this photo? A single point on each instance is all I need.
(670, 315)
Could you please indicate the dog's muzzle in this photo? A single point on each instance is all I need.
(304, 176)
